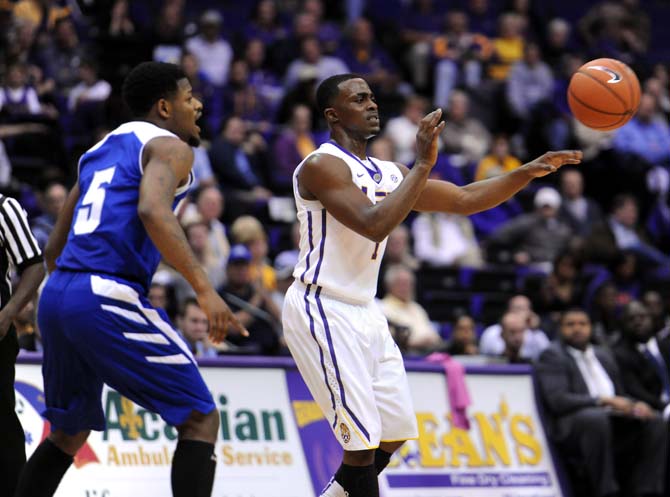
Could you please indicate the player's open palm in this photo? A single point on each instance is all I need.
(427, 137)
(220, 317)
(550, 162)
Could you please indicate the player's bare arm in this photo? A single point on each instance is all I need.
(167, 164)
(442, 196)
(58, 236)
(328, 179)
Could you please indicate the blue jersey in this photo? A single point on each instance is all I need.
(107, 236)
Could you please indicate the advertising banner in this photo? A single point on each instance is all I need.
(259, 451)
(503, 454)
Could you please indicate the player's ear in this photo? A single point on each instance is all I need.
(164, 108)
(331, 115)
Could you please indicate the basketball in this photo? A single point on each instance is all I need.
(604, 94)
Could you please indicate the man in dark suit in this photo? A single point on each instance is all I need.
(643, 359)
(590, 419)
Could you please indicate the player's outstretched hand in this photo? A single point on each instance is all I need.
(551, 161)
(427, 136)
(220, 317)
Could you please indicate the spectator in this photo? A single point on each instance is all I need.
(534, 339)
(464, 135)
(398, 251)
(203, 175)
(214, 54)
(536, 238)
(580, 212)
(604, 313)
(241, 99)
(445, 240)
(644, 361)
(591, 419)
(382, 148)
(167, 39)
(402, 129)
(508, 47)
(312, 64)
(90, 88)
(208, 210)
(660, 320)
(400, 308)
(158, 295)
(253, 305)
(646, 135)
(236, 158)
(293, 144)
(621, 231)
(284, 265)
(498, 162)
(265, 24)
(557, 46)
(17, 98)
(53, 201)
(463, 337)
(530, 84)
(60, 59)
(459, 55)
(265, 81)
(248, 231)
(40, 13)
(561, 289)
(193, 325)
(513, 330)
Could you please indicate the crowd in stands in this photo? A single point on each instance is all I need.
(493, 285)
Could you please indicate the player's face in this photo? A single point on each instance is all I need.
(187, 111)
(356, 108)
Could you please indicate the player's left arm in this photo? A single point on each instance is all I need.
(58, 236)
(442, 196)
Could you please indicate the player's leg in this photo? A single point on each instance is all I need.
(12, 448)
(329, 346)
(194, 461)
(72, 397)
(45, 469)
(146, 360)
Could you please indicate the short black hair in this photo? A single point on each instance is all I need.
(147, 83)
(184, 304)
(328, 90)
(573, 310)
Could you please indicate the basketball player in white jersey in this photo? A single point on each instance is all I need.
(347, 205)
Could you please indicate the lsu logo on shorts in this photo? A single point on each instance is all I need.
(345, 433)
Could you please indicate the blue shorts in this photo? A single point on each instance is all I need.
(96, 330)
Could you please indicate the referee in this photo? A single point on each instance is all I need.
(19, 249)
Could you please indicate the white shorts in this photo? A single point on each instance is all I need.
(352, 367)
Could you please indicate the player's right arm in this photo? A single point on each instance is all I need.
(58, 236)
(327, 178)
(167, 164)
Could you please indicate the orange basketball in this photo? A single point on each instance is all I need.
(604, 94)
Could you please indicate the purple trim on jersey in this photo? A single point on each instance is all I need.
(334, 359)
(323, 364)
(311, 245)
(321, 246)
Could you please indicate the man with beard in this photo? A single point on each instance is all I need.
(590, 419)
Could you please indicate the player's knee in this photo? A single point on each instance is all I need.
(201, 426)
(69, 444)
(359, 457)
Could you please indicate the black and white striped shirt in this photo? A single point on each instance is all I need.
(19, 247)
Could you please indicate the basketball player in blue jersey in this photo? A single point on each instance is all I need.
(348, 203)
(96, 321)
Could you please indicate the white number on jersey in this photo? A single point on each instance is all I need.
(88, 215)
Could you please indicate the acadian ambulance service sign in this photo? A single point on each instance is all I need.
(259, 450)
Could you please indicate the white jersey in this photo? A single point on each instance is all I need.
(332, 256)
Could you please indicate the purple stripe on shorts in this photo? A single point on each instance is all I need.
(321, 246)
(311, 244)
(323, 364)
(334, 359)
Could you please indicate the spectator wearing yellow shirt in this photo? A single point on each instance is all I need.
(249, 231)
(499, 161)
(508, 47)
(39, 13)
